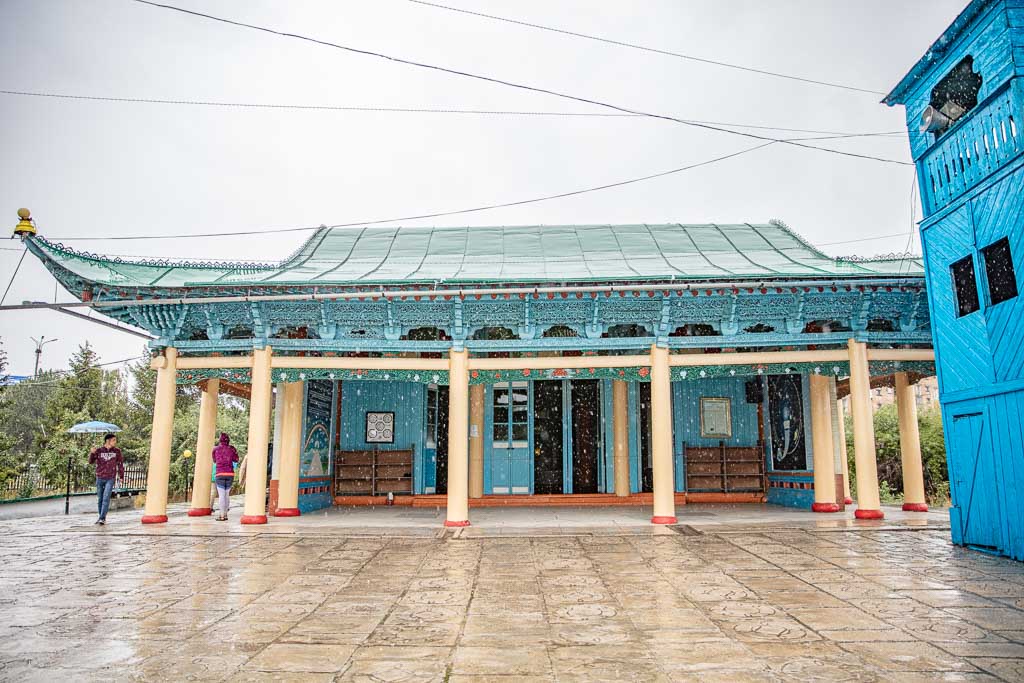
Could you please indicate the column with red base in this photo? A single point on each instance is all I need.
(843, 455)
(910, 446)
(160, 439)
(868, 504)
(457, 511)
(255, 510)
(662, 479)
(821, 438)
(288, 459)
(200, 506)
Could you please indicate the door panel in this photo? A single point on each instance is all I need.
(586, 434)
(644, 418)
(511, 461)
(547, 436)
(974, 480)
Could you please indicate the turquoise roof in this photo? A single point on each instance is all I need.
(521, 254)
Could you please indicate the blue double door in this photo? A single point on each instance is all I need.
(546, 437)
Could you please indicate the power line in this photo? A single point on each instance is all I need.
(13, 275)
(644, 48)
(418, 110)
(511, 84)
(439, 214)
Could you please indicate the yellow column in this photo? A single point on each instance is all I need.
(458, 439)
(160, 440)
(291, 444)
(910, 446)
(200, 506)
(661, 438)
(476, 441)
(868, 505)
(843, 454)
(824, 455)
(620, 430)
(255, 511)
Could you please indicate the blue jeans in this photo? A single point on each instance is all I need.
(104, 487)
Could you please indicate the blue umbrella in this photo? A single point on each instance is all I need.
(93, 427)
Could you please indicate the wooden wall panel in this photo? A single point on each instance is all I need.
(961, 343)
(999, 212)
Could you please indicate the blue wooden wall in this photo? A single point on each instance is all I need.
(686, 397)
(406, 399)
(972, 186)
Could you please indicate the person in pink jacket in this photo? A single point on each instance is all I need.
(225, 457)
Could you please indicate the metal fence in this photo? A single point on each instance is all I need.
(81, 481)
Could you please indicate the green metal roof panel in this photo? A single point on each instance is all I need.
(531, 254)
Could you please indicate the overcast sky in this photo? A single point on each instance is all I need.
(93, 169)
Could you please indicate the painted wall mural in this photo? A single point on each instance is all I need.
(786, 418)
(316, 442)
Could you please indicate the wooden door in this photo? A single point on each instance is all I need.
(973, 485)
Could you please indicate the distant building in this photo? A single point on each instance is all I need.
(965, 107)
(926, 395)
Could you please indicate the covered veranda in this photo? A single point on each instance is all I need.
(653, 365)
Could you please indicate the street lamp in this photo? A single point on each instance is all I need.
(42, 341)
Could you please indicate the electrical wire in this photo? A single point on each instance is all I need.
(13, 275)
(439, 214)
(421, 110)
(644, 48)
(511, 84)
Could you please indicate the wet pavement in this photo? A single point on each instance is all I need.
(723, 601)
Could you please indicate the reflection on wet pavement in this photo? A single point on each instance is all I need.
(797, 604)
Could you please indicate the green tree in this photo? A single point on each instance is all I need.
(86, 392)
(889, 457)
(9, 464)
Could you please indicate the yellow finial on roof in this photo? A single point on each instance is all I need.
(25, 227)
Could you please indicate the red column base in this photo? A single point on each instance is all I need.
(254, 519)
(848, 501)
(664, 520)
(287, 512)
(464, 522)
(824, 507)
(200, 512)
(154, 519)
(869, 514)
(915, 507)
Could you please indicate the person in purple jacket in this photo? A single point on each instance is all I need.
(225, 457)
(109, 465)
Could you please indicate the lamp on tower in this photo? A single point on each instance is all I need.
(25, 227)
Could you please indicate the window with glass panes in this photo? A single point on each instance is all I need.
(510, 413)
(432, 414)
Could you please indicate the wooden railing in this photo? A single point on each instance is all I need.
(971, 149)
(81, 481)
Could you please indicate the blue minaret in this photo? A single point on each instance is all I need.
(965, 110)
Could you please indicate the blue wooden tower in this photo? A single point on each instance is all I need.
(965, 107)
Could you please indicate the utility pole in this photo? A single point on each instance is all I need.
(39, 350)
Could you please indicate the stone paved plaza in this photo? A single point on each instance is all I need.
(202, 602)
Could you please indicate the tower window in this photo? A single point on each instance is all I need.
(1002, 280)
(966, 286)
(955, 95)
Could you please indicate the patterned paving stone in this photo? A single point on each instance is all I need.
(736, 605)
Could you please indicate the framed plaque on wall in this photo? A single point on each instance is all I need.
(380, 427)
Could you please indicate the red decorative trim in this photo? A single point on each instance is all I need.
(848, 501)
(287, 512)
(464, 522)
(254, 519)
(915, 507)
(154, 519)
(869, 514)
(663, 520)
(824, 507)
(200, 512)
